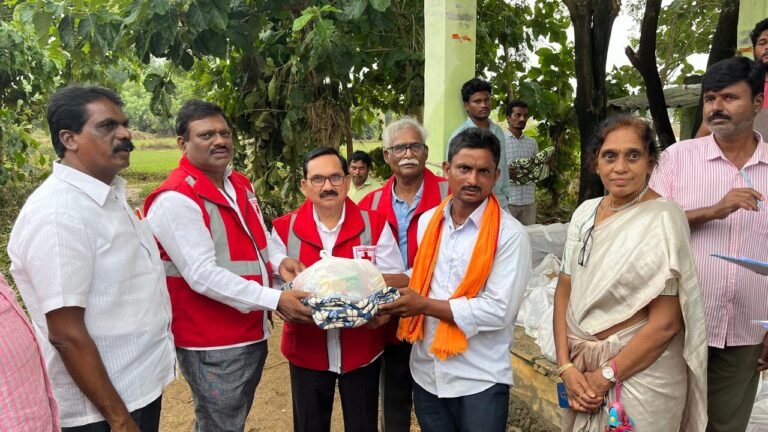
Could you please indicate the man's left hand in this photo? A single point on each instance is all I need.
(290, 268)
(762, 361)
(409, 304)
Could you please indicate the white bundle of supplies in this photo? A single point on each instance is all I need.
(537, 308)
(332, 277)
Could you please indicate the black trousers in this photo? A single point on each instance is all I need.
(312, 392)
(147, 418)
(396, 388)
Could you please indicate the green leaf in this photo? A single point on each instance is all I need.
(151, 81)
(66, 30)
(25, 12)
(42, 25)
(301, 22)
(380, 5)
(197, 20)
(159, 7)
(186, 61)
(355, 8)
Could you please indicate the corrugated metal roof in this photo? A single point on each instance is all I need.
(683, 96)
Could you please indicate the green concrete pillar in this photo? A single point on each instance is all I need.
(750, 12)
(449, 46)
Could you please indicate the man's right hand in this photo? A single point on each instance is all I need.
(291, 309)
(735, 199)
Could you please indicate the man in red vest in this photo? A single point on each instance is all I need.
(329, 221)
(411, 191)
(213, 244)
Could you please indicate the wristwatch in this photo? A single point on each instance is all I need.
(608, 373)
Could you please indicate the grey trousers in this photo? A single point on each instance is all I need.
(526, 214)
(223, 384)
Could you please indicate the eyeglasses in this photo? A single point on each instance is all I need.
(586, 248)
(335, 179)
(400, 149)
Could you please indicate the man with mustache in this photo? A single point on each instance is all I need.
(214, 247)
(360, 165)
(518, 145)
(90, 274)
(411, 191)
(476, 94)
(329, 221)
(466, 287)
(720, 181)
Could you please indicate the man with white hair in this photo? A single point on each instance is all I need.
(411, 191)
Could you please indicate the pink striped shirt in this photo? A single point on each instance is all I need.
(696, 174)
(26, 398)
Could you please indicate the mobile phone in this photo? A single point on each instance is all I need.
(562, 396)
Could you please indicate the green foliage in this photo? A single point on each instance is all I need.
(291, 75)
(26, 74)
(545, 86)
(685, 28)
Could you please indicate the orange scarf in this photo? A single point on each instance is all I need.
(449, 339)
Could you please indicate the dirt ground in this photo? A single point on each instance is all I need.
(272, 406)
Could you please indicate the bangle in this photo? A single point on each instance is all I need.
(563, 368)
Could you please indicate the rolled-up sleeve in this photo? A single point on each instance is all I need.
(177, 223)
(497, 305)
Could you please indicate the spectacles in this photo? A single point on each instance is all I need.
(335, 179)
(400, 149)
(586, 248)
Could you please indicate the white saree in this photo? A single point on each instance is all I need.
(633, 257)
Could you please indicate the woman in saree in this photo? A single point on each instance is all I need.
(627, 303)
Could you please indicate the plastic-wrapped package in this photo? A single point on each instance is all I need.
(332, 277)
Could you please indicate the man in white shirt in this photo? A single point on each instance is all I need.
(214, 247)
(90, 274)
(467, 284)
(329, 221)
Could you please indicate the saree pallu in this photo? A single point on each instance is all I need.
(634, 257)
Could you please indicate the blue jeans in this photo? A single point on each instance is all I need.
(486, 411)
(223, 384)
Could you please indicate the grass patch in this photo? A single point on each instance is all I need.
(167, 143)
(153, 161)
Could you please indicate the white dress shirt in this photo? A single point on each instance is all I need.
(177, 222)
(486, 320)
(387, 261)
(77, 243)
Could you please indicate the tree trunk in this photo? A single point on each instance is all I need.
(592, 23)
(644, 60)
(723, 45)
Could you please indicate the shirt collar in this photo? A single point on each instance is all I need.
(509, 133)
(368, 181)
(476, 216)
(416, 197)
(321, 226)
(713, 151)
(96, 189)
